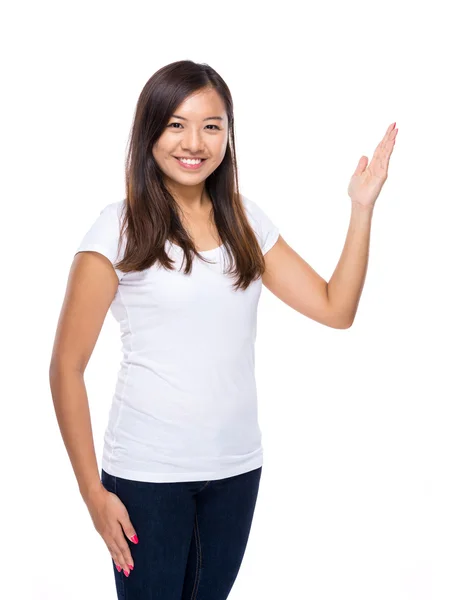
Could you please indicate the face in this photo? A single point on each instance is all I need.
(192, 133)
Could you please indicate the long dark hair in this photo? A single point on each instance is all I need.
(150, 212)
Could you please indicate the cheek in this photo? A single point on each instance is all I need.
(160, 153)
(160, 146)
(223, 149)
(220, 146)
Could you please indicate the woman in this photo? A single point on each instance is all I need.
(181, 262)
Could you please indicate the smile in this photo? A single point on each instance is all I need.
(191, 164)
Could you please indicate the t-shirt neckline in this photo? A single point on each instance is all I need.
(200, 251)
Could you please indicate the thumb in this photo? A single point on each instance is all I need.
(129, 530)
(362, 164)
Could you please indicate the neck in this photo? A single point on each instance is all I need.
(191, 199)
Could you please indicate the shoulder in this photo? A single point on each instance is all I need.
(113, 210)
(109, 219)
(250, 206)
(103, 233)
(254, 209)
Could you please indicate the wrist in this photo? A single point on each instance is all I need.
(361, 207)
(92, 492)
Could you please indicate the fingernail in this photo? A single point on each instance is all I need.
(134, 539)
(118, 568)
(131, 567)
(126, 573)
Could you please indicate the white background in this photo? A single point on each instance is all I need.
(362, 488)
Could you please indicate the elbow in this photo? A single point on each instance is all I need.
(342, 324)
(347, 322)
(58, 368)
(339, 325)
(335, 324)
(338, 318)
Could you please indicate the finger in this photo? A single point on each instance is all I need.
(390, 128)
(128, 528)
(120, 552)
(392, 138)
(384, 144)
(383, 151)
(117, 556)
(390, 142)
(124, 549)
(388, 137)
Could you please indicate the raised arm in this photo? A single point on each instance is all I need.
(335, 303)
(289, 277)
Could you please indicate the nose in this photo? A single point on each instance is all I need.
(192, 142)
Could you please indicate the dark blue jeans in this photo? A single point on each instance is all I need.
(192, 535)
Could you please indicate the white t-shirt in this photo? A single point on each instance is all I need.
(185, 403)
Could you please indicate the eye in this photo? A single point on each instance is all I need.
(210, 125)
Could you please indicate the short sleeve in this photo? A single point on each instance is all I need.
(103, 235)
(267, 232)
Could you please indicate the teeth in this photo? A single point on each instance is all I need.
(188, 161)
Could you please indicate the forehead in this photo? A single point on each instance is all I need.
(203, 103)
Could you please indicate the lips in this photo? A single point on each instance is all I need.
(196, 166)
(190, 157)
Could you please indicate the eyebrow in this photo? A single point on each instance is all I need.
(207, 118)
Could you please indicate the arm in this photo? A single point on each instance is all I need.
(292, 280)
(347, 282)
(92, 284)
(297, 284)
(289, 277)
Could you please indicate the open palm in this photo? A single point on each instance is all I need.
(368, 179)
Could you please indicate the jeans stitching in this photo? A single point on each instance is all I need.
(204, 486)
(196, 533)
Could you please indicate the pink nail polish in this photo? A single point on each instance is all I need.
(118, 568)
(131, 567)
(126, 573)
(135, 539)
